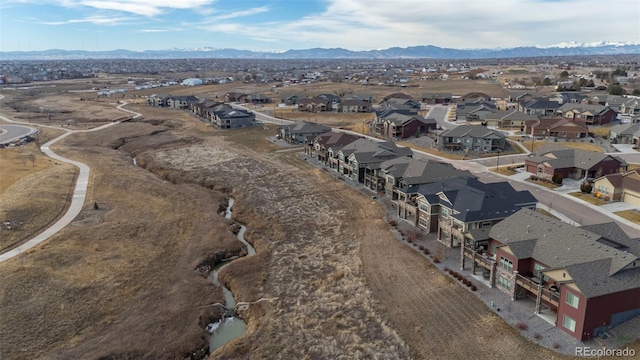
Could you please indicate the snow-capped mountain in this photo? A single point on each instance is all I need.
(413, 52)
(575, 44)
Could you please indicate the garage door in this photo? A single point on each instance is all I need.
(631, 198)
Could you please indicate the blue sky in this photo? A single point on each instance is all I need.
(279, 25)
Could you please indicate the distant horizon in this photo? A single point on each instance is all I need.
(212, 48)
(282, 25)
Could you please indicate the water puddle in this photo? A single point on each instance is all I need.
(233, 327)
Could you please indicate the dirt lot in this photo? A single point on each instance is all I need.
(124, 280)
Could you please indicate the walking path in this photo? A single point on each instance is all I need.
(79, 192)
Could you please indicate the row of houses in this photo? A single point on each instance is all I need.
(586, 279)
(218, 114)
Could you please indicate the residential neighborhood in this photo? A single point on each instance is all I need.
(462, 176)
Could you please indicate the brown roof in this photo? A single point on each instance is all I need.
(631, 180)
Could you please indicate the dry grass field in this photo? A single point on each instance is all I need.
(124, 280)
(46, 184)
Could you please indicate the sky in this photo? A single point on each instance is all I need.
(280, 25)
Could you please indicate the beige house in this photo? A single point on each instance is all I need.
(619, 187)
(608, 187)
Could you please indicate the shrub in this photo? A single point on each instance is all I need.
(459, 276)
(446, 268)
(537, 336)
(451, 271)
(436, 260)
(468, 284)
(556, 179)
(586, 187)
(393, 223)
(421, 247)
(522, 326)
(409, 240)
(556, 345)
(533, 177)
(426, 251)
(473, 288)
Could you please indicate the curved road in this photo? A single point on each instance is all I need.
(10, 133)
(79, 192)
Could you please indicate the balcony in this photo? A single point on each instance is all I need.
(545, 293)
(480, 260)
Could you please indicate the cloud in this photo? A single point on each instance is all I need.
(96, 20)
(153, 30)
(148, 8)
(370, 24)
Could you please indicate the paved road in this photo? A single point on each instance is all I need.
(440, 114)
(79, 192)
(10, 133)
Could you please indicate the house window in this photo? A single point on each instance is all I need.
(504, 283)
(537, 268)
(424, 207)
(568, 323)
(572, 300)
(506, 264)
(485, 224)
(423, 223)
(444, 213)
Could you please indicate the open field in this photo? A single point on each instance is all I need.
(46, 183)
(60, 109)
(537, 144)
(124, 280)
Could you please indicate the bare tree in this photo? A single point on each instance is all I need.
(32, 157)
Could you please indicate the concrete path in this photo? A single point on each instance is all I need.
(79, 192)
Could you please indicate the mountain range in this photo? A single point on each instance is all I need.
(413, 52)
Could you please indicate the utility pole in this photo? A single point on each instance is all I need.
(498, 161)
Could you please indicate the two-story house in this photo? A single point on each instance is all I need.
(591, 114)
(300, 131)
(361, 159)
(584, 280)
(471, 138)
(457, 206)
(224, 116)
(332, 140)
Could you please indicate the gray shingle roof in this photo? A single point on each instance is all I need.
(303, 127)
(476, 131)
(473, 200)
(371, 152)
(415, 172)
(560, 245)
(573, 158)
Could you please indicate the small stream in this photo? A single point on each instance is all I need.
(233, 327)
